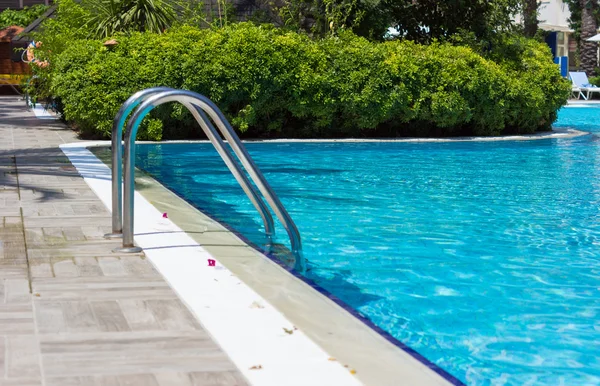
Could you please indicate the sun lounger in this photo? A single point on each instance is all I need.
(582, 86)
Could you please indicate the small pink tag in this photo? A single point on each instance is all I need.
(165, 215)
(211, 262)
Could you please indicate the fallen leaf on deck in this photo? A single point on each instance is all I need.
(256, 305)
(332, 359)
(288, 331)
(257, 367)
(352, 371)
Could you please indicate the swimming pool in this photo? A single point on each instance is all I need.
(483, 257)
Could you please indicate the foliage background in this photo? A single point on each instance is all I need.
(271, 83)
(22, 17)
(290, 82)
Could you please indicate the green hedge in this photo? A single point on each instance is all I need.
(21, 17)
(273, 83)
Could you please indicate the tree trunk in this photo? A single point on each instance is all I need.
(588, 50)
(530, 17)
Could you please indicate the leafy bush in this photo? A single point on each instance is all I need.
(595, 80)
(21, 17)
(270, 83)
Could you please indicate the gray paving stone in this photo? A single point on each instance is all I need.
(88, 266)
(41, 270)
(172, 315)
(2, 357)
(109, 316)
(73, 234)
(79, 316)
(23, 357)
(98, 380)
(139, 316)
(173, 379)
(16, 319)
(50, 317)
(130, 352)
(138, 379)
(65, 268)
(16, 291)
(230, 378)
(112, 266)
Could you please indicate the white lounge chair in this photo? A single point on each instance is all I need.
(581, 85)
(577, 93)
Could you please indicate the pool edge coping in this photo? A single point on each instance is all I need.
(556, 133)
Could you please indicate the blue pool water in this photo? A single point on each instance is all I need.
(483, 257)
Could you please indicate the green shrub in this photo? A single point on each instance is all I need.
(21, 17)
(273, 83)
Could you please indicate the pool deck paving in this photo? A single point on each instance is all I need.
(72, 312)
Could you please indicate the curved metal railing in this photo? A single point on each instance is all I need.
(117, 162)
(202, 109)
(117, 156)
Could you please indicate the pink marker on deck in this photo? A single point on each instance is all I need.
(211, 262)
(165, 215)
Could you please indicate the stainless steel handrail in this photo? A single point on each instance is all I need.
(117, 161)
(199, 106)
(117, 156)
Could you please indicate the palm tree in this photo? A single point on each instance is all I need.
(530, 8)
(112, 16)
(588, 50)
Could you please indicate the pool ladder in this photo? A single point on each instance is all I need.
(123, 161)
